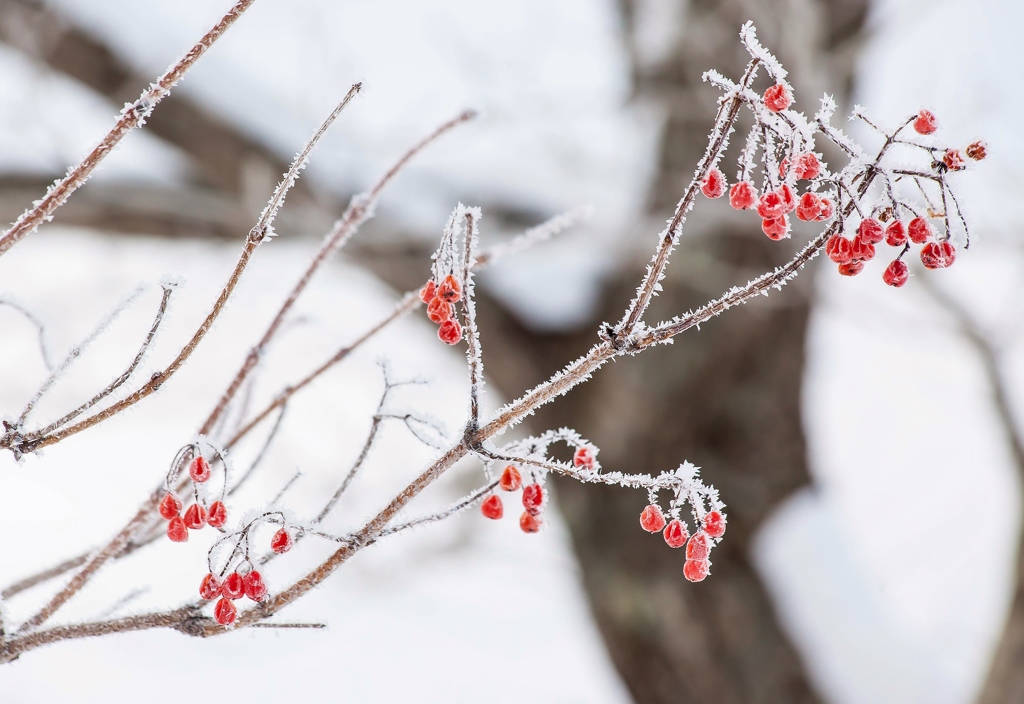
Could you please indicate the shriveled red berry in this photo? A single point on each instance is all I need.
(938, 255)
(713, 184)
(696, 570)
(808, 207)
(530, 523)
(492, 508)
(714, 524)
(861, 250)
(450, 290)
(839, 249)
(775, 228)
(697, 548)
(225, 612)
(770, 205)
(676, 534)
(919, 231)
(511, 479)
(870, 231)
(169, 506)
(233, 586)
(450, 332)
(851, 268)
(925, 123)
(651, 519)
(788, 199)
(218, 515)
(253, 586)
(428, 291)
(199, 470)
(777, 98)
(210, 587)
(954, 160)
(807, 166)
(976, 150)
(896, 233)
(896, 274)
(583, 457)
(195, 517)
(827, 209)
(176, 530)
(282, 541)
(439, 310)
(741, 196)
(533, 498)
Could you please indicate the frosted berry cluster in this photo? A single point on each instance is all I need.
(441, 299)
(199, 513)
(698, 546)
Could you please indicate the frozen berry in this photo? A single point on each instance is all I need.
(533, 498)
(253, 586)
(783, 168)
(770, 205)
(218, 515)
(954, 160)
(861, 250)
(225, 612)
(896, 234)
(210, 587)
(788, 199)
(807, 166)
(676, 534)
(924, 123)
(851, 268)
(775, 228)
(492, 508)
(439, 311)
(195, 517)
(511, 479)
(428, 291)
(777, 98)
(450, 332)
(919, 231)
(651, 519)
(741, 196)
(169, 506)
(529, 523)
(696, 570)
(450, 290)
(870, 231)
(839, 249)
(827, 209)
(938, 255)
(714, 524)
(199, 470)
(896, 274)
(583, 457)
(233, 586)
(176, 530)
(808, 207)
(976, 150)
(282, 541)
(697, 548)
(713, 184)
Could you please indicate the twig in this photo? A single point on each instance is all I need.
(44, 351)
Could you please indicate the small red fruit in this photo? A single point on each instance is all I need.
(839, 249)
(651, 519)
(827, 209)
(428, 291)
(896, 274)
(169, 506)
(896, 234)
(530, 523)
(218, 515)
(938, 255)
(439, 310)
(282, 541)
(777, 98)
(713, 184)
(583, 457)
(176, 530)
(851, 268)
(696, 570)
(741, 196)
(676, 534)
(870, 231)
(807, 166)
(511, 479)
(697, 548)
(233, 586)
(450, 290)
(533, 498)
(788, 199)
(210, 587)
(954, 160)
(976, 151)
(225, 612)
(199, 470)
(253, 586)
(808, 207)
(492, 508)
(861, 250)
(770, 205)
(450, 332)
(775, 228)
(924, 123)
(714, 524)
(919, 231)
(195, 517)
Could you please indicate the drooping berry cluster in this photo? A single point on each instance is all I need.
(441, 299)
(199, 513)
(533, 498)
(233, 587)
(698, 546)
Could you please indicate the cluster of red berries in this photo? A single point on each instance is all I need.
(233, 587)
(698, 546)
(850, 255)
(197, 515)
(440, 300)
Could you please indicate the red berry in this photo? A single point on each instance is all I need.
(851, 268)
(741, 196)
(777, 98)
(808, 207)
(439, 310)
(169, 506)
(976, 150)
(713, 185)
(919, 231)
(783, 168)
(428, 291)
(697, 548)
(195, 517)
(450, 290)
(199, 470)
(210, 587)
(282, 541)
(696, 570)
(807, 166)
(924, 123)
(530, 523)
(511, 479)
(788, 199)
(450, 332)
(770, 205)
(676, 534)
(225, 612)
(492, 508)
(861, 250)
(218, 515)
(714, 524)
(176, 530)
(775, 228)
(583, 457)
(233, 586)
(839, 249)
(651, 519)
(895, 274)
(870, 231)
(896, 234)
(533, 498)
(253, 586)
(954, 160)
(938, 255)
(826, 209)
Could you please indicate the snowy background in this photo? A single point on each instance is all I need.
(893, 573)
